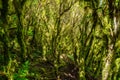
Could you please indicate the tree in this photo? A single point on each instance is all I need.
(59, 39)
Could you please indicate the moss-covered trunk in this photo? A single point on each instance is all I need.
(20, 30)
(5, 39)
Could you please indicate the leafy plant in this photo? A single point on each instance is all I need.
(22, 72)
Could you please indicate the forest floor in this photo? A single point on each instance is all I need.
(46, 70)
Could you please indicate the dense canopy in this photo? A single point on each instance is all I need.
(60, 39)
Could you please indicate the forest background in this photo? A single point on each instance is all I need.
(60, 39)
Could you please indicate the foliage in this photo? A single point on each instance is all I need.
(59, 39)
(22, 72)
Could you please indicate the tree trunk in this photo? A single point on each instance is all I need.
(108, 62)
